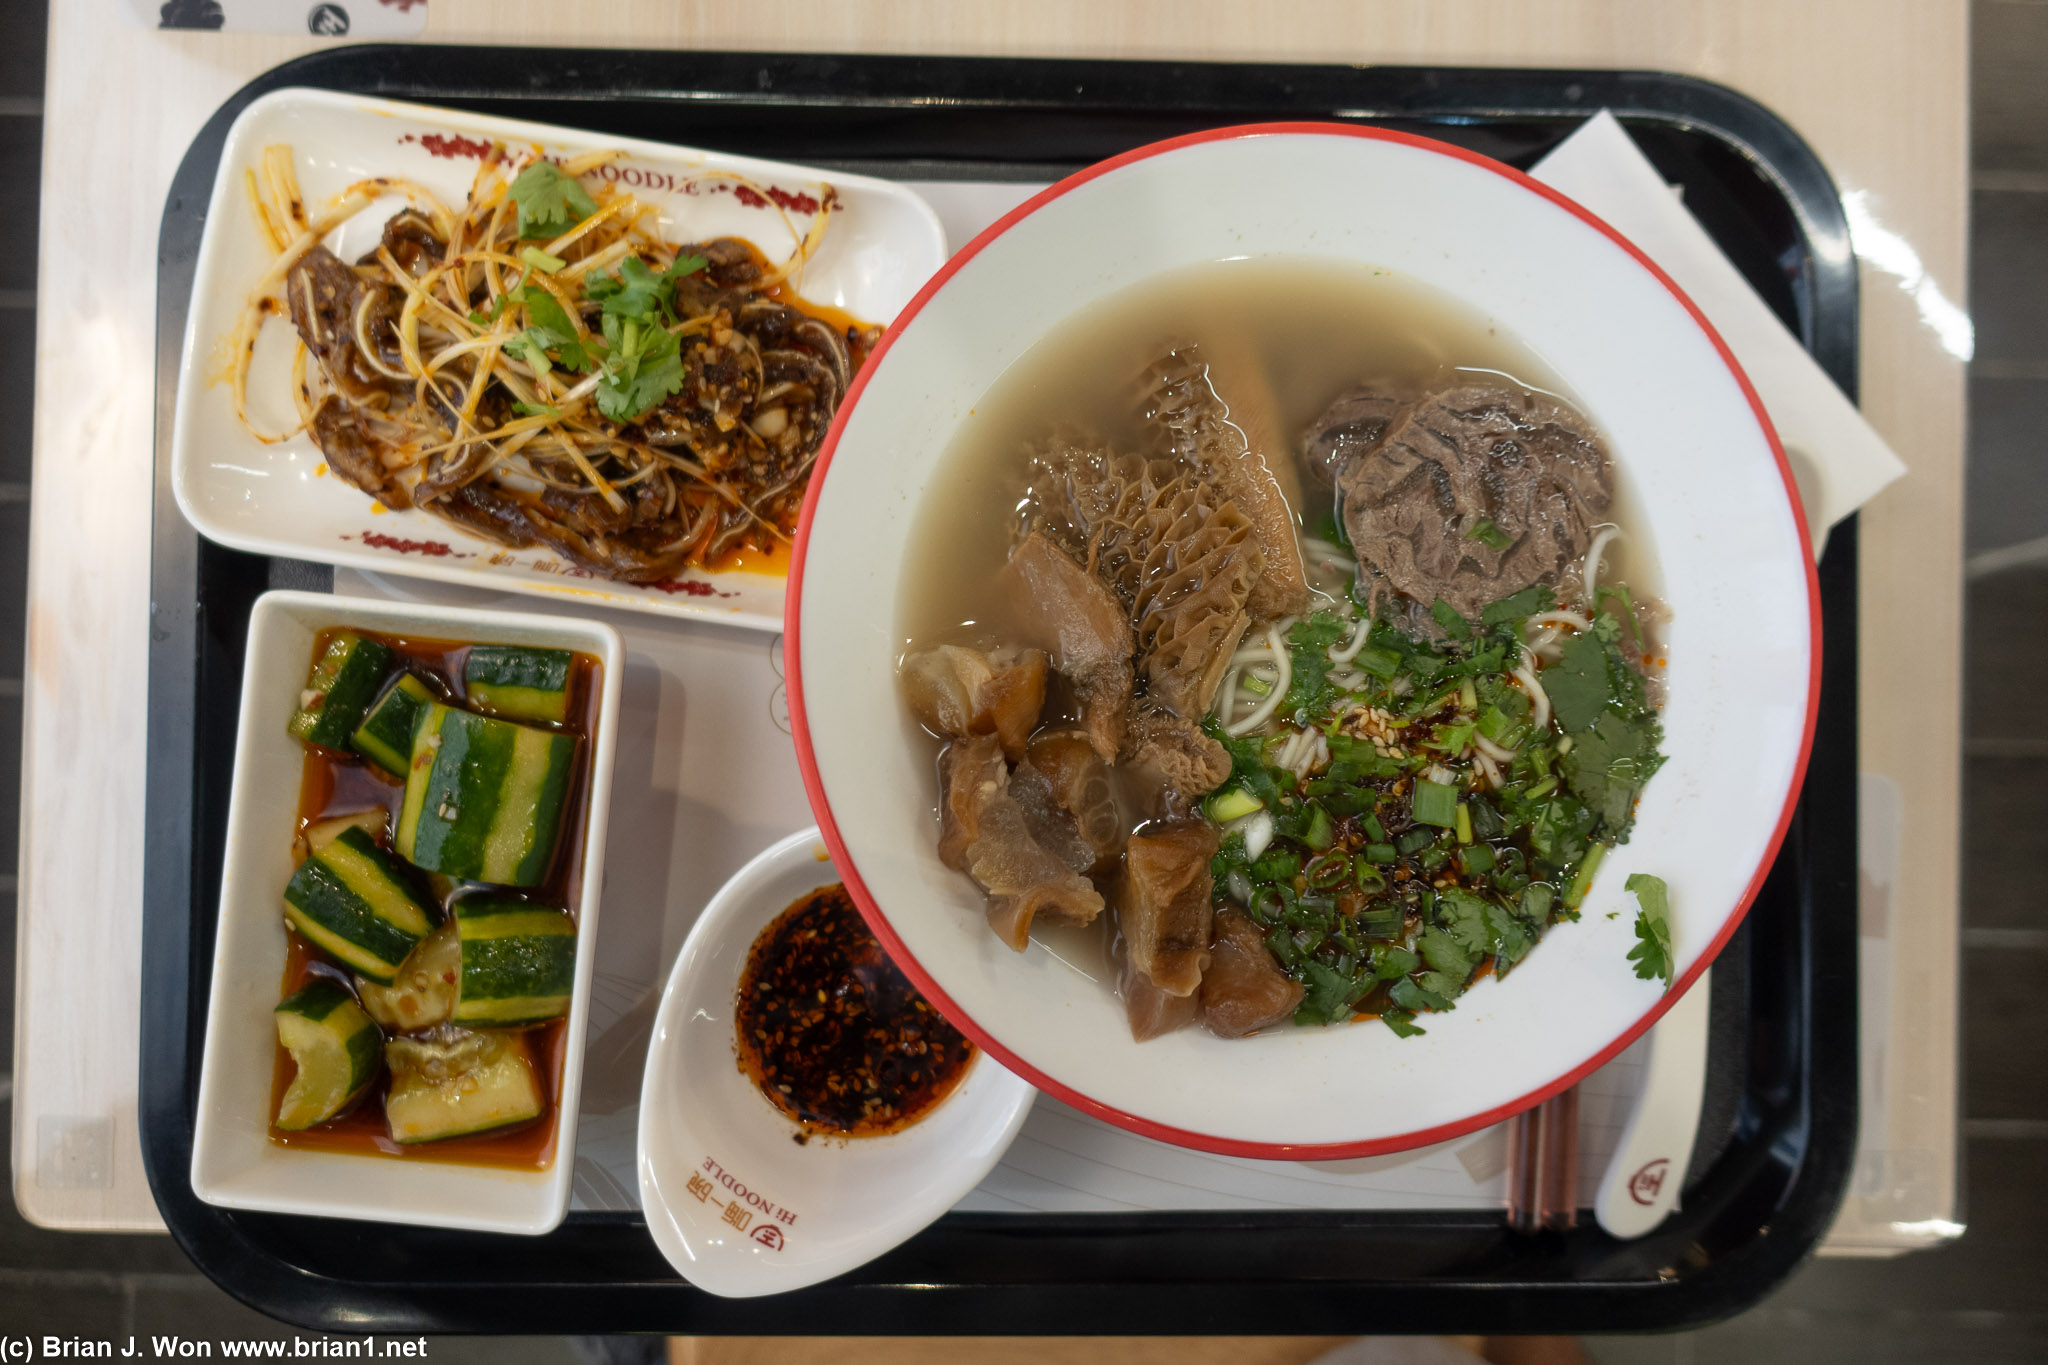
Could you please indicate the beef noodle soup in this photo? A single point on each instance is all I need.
(1279, 615)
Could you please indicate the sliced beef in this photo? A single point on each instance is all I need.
(957, 692)
(1173, 750)
(1352, 425)
(1066, 611)
(1214, 406)
(1415, 502)
(1244, 989)
(1163, 907)
(984, 834)
(1149, 1010)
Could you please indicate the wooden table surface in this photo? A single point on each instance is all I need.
(1877, 86)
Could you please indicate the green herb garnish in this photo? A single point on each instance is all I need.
(550, 200)
(1652, 953)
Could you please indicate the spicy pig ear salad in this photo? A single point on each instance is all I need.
(1288, 777)
(539, 366)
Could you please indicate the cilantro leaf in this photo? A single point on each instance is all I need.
(549, 330)
(1445, 955)
(644, 366)
(1517, 607)
(636, 293)
(1577, 682)
(1328, 997)
(1608, 766)
(1652, 953)
(1309, 691)
(551, 201)
(1402, 1022)
(1390, 963)
(1411, 994)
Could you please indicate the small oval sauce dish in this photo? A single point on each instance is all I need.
(739, 1196)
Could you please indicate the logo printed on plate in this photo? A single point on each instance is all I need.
(741, 1208)
(1645, 1183)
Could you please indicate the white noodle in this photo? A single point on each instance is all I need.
(1525, 674)
(1488, 749)
(1560, 618)
(1486, 765)
(1600, 542)
(1265, 709)
(1346, 652)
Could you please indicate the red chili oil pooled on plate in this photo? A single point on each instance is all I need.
(833, 1032)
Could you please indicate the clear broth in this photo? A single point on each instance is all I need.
(1320, 326)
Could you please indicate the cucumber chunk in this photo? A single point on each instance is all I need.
(525, 684)
(423, 993)
(335, 1048)
(355, 902)
(385, 736)
(470, 1083)
(375, 822)
(339, 689)
(484, 797)
(518, 961)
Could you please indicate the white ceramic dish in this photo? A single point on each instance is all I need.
(882, 244)
(739, 1207)
(1690, 438)
(234, 1162)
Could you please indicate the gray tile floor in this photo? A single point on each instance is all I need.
(1984, 1299)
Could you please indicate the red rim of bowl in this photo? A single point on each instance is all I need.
(814, 784)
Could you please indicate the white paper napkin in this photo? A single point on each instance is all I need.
(1838, 460)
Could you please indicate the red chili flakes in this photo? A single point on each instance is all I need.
(832, 1031)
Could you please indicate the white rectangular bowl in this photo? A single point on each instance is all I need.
(234, 1162)
(882, 244)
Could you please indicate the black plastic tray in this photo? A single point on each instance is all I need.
(1778, 1138)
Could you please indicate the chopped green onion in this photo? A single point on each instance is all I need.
(1414, 840)
(1380, 853)
(1583, 882)
(1435, 803)
(1382, 921)
(1256, 685)
(1464, 824)
(541, 261)
(1381, 663)
(1476, 859)
(1489, 535)
(1329, 871)
(1374, 829)
(1468, 695)
(1320, 834)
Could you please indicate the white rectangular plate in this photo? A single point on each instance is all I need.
(882, 244)
(234, 1162)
